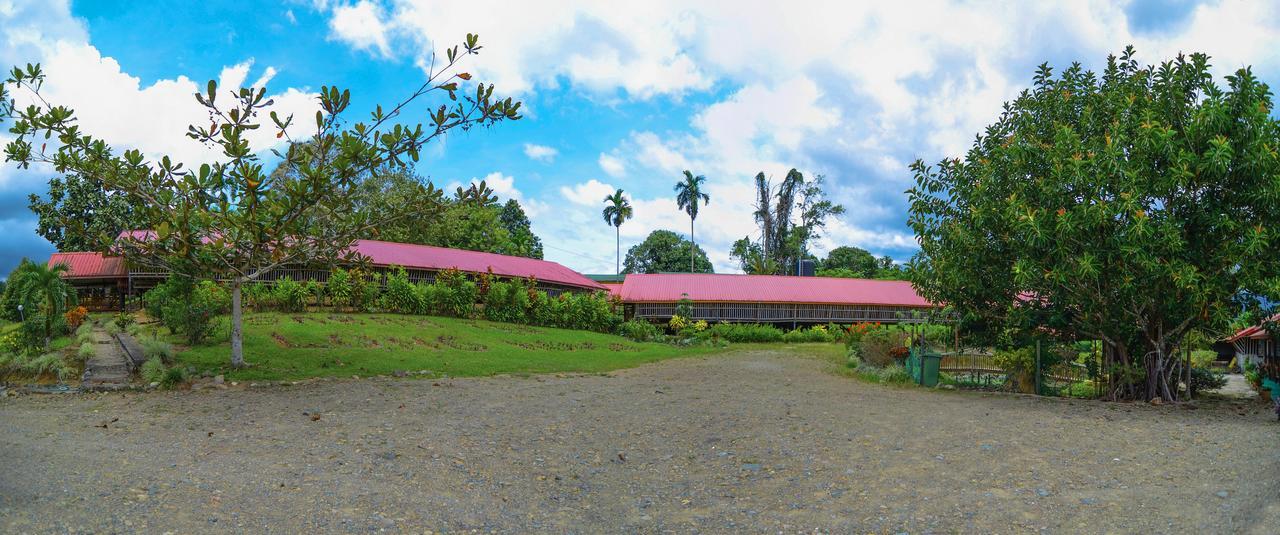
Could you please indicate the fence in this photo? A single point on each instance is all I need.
(1048, 377)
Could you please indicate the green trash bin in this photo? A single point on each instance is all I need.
(929, 364)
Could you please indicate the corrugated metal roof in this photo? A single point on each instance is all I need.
(382, 253)
(662, 287)
(1256, 332)
(90, 265)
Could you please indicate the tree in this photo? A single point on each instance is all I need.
(617, 210)
(790, 216)
(854, 260)
(752, 259)
(79, 214)
(228, 219)
(40, 284)
(523, 241)
(688, 197)
(664, 252)
(1130, 208)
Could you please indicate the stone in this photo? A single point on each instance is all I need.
(1043, 493)
(1223, 494)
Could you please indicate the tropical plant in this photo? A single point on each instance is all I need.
(689, 197)
(229, 220)
(617, 210)
(45, 286)
(1131, 207)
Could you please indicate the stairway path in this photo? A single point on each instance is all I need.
(109, 367)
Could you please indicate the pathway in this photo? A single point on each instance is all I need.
(109, 367)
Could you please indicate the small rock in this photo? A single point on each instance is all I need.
(218, 379)
(1043, 493)
(400, 373)
(1223, 494)
(754, 467)
(1089, 501)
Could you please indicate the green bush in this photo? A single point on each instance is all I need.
(84, 333)
(86, 351)
(879, 347)
(339, 288)
(455, 295)
(506, 301)
(813, 335)
(173, 377)
(1205, 379)
(640, 330)
(112, 328)
(401, 296)
(1203, 358)
(288, 295)
(189, 309)
(158, 349)
(152, 371)
(47, 364)
(894, 373)
(745, 333)
(31, 333)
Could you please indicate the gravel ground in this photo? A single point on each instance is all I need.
(752, 441)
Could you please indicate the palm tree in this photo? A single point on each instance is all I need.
(617, 210)
(40, 283)
(688, 195)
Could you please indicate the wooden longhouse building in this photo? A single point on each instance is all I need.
(774, 299)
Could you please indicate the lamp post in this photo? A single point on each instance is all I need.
(21, 317)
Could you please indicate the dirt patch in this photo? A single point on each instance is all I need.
(281, 340)
(751, 442)
(453, 342)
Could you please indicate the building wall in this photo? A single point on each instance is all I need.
(784, 313)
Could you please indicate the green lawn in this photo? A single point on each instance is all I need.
(295, 346)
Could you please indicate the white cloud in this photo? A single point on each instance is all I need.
(541, 153)
(590, 193)
(115, 106)
(361, 26)
(612, 165)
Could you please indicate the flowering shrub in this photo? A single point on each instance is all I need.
(677, 323)
(75, 316)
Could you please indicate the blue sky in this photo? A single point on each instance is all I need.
(616, 96)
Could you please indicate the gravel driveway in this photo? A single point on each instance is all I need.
(750, 441)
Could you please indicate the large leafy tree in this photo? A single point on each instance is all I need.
(790, 216)
(664, 252)
(1130, 207)
(855, 261)
(229, 219)
(523, 241)
(79, 214)
(44, 286)
(690, 197)
(617, 210)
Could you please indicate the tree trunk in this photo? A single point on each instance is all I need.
(693, 246)
(617, 249)
(237, 322)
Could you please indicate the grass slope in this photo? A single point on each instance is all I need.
(295, 346)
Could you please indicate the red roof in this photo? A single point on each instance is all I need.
(90, 265)
(382, 253)
(706, 287)
(1256, 332)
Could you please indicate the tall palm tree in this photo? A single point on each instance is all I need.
(688, 196)
(617, 210)
(40, 283)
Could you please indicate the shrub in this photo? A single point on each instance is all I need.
(32, 333)
(11, 344)
(1203, 358)
(173, 377)
(677, 323)
(742, 333)
(813, 335)
(112, 328)
(75, 316)
(159, 349)
(1019, 366)
(290, 295)
(152, 371)
(84, 333)
(877, 346)
(1205, 379)
(505, 301)
(455, 293)
(639, 330)
(47, 364)
(339, 288)
(123, 319)
(86, 351)
(400, 295)
(893, 373)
